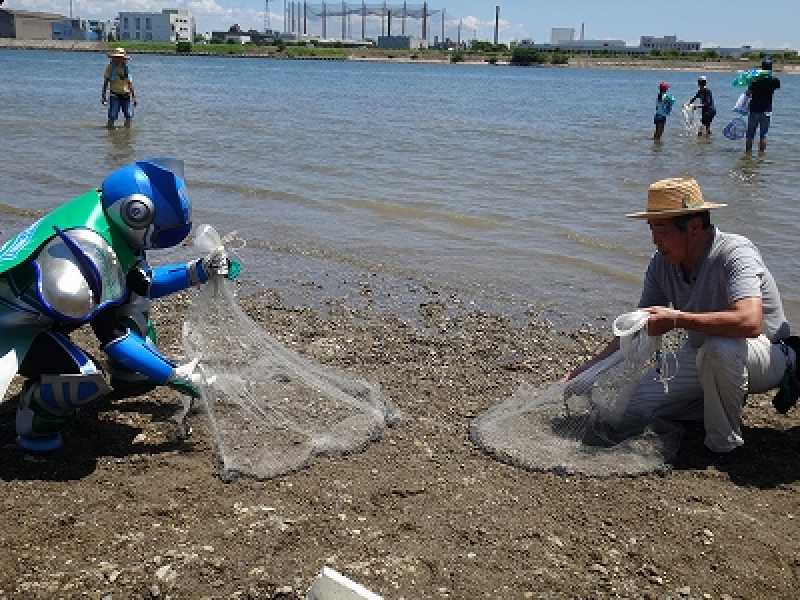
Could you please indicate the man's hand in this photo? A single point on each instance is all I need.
(103, 100)
(135, 102)
(661, 320)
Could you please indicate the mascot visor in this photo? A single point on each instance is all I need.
(172, 236)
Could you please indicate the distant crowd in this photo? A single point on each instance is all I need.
(755, 103)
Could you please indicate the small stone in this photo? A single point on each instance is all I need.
(155, 591)
(166, 573)
(599, 569)
(286, 589)
(707, 596)
(650, 570)
(656, 580)
(684, 591)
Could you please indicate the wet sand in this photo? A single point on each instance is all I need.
(130, 511)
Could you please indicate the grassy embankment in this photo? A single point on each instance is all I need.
(233, 50)
(485, 53)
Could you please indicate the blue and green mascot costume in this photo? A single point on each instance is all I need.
(85, 262)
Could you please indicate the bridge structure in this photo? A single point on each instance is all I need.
(300, 14)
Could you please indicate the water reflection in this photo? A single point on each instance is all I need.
(121, 147)
(749, 169)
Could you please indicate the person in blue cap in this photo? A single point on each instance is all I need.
(86, 263)
(760, 92)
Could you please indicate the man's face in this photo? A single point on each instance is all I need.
(670, 241)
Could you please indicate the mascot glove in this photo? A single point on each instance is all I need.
(218, 263)
(186, 380)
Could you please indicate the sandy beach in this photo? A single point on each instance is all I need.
(130, 511)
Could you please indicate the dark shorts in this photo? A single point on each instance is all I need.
(758, 120)
(117, 103)
(659, 119)
(707, 116)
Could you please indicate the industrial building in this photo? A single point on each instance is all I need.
(584, 46)
(748, 50)
(668, 42)
(562, 34)
(170, 25)
(90, 30)
(400, 42)
(27, 25)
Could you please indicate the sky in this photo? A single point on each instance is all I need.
(713, 22)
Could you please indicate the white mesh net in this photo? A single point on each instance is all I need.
(691, 117)
(271, 410)
(581, 427)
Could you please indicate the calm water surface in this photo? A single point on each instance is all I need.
(507, 184)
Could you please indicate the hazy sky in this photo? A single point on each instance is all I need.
(713, 22)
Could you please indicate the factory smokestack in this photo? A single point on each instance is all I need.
(496, 24)
(425, 21)
(582, 30)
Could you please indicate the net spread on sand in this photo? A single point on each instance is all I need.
(271, 410)
(574, 427)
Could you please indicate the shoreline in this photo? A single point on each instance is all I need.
(578, 61)
(421, 513)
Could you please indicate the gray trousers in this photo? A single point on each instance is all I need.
(711, 385)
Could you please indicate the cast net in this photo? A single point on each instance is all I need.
(271, 410)
(582, 427)
(691, 117)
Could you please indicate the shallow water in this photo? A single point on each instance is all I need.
(508, 184)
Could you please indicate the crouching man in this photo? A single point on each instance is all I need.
(720, 292)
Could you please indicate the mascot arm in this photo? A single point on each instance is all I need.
(168, 279)
(133, 352)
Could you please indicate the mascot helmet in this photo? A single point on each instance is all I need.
(147, 203)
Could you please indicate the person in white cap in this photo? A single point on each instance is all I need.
(118, 80)
(707, 109)
(715, 286)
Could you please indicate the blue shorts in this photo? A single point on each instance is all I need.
(758, 120)
(115, 103)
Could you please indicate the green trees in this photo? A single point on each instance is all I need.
(526, 56)
(486, 47)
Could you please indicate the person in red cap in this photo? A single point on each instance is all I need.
(664, 103)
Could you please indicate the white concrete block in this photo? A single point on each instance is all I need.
(332, 585)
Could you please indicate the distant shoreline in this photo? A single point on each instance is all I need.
(410, 57)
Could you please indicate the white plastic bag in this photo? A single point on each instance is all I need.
(636, 345)
(742, 104)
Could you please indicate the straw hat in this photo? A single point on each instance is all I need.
(669, 198)
(118, 53)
